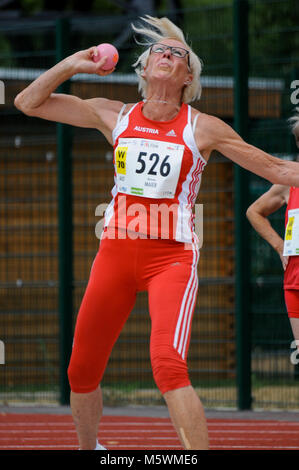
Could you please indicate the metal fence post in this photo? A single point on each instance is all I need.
(241, 183)
(65, 223)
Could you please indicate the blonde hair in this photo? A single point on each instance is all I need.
(156, 30)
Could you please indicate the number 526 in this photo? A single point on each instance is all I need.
(157, 166)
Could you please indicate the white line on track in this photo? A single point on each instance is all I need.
(149, 424)
(121, 438)
(139, 432)
(126, 438)
(121, 423)
(142, 431)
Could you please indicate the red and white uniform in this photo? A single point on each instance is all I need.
(291, 275)
(156, 164)
(157, 167)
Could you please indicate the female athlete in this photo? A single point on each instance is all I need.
(161, 146)
(278, 196)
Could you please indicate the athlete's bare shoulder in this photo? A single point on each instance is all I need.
(204, 131)
(208, 121)
(280, 191)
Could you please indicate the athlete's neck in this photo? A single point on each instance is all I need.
(159, 109)
(176, 105)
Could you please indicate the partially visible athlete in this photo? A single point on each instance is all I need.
(258, 213)
(161, 146)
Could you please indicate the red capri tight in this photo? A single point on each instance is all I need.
(168, 272)
(292, 302)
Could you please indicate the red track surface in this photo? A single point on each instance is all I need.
(57, 432)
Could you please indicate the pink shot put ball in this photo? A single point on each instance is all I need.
(111, 53)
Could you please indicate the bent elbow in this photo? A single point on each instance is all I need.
(19, 104)
(248, 212)
(252, 213)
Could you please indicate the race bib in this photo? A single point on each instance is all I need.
(148, 168)
(291, 238)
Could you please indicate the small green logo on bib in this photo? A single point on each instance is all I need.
(137, 191)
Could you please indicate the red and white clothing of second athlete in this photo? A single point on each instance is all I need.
(148, 244)
(291, 275)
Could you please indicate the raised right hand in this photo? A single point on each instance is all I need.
(82, 62)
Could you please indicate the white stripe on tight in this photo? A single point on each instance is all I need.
(184, 311)
(189, 310)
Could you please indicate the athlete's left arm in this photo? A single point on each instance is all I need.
(214, 134)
